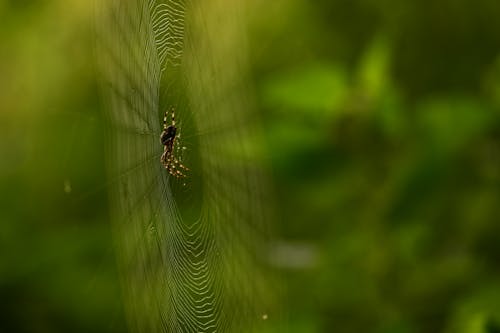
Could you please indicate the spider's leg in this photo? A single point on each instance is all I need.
(177, 168)
(165, 120)
(179, 174)
(175, 172)
(173, 116)
(164, 158)
(178, 161)
(180, 165)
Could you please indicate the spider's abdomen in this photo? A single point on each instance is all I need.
(168, 135)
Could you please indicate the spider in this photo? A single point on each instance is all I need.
(167, 138)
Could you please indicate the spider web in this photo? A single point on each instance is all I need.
(191, 251)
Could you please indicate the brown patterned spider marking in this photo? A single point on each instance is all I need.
(168, 139)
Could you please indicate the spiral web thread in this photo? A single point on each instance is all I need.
(168, 28)
(204, 275)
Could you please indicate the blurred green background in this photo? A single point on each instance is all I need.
(382, 120)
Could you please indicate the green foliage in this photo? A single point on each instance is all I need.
(393, 181)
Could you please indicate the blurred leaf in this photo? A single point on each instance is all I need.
(373, 72)
(447, 124)
(313, 89)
